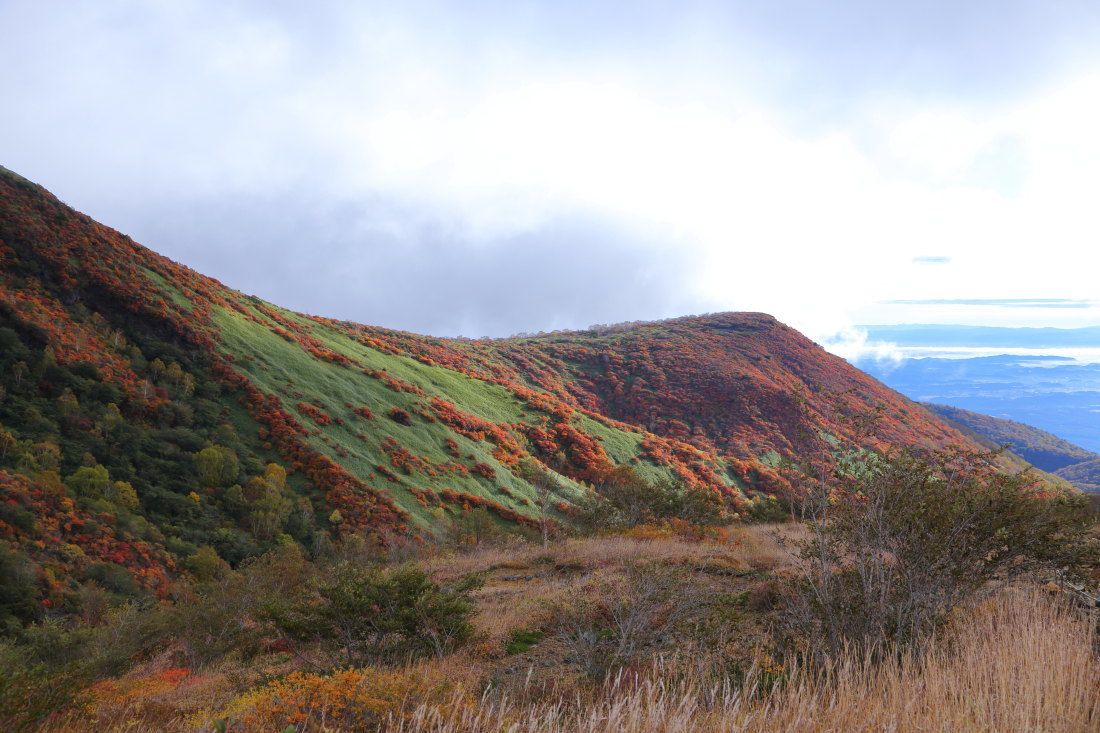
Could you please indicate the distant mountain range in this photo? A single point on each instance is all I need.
(1041, 449)
(1038, 447)
(1054, 393)
(1041, 395)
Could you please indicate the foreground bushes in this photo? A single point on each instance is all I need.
(903, 539)
(283, 641)
(623, 499)
(1018, 662)
(369, 615)
(615, 622)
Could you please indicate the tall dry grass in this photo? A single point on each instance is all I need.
(756, 547)
(1018, 662)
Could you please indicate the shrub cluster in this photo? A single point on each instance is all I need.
(901, 539)
(371, 615)
(623, 499)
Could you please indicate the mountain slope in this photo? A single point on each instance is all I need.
(1084, 475)
(1040, 448)
(149, 412)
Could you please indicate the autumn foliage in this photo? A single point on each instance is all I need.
(123, 372)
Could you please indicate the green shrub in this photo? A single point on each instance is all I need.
(764, 509)
(523, 640)
(902, 539)
(17, 590)
(624, 499)
(114, 578)
(216, 619)
(368, 615)
(30, 692)
(17, 516)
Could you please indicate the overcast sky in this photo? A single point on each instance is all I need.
(484, 168)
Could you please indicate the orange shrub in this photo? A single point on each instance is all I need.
(147, 696)
(351, 699)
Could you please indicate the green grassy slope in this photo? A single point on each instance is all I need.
(148, 412)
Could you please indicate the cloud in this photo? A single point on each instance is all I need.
(790, 157)
(854, 344)
(385, 262)
(1002, 302)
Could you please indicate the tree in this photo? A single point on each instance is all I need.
(217, 466)
(90, 481)
(123, 494)
(19, 371)
(624, 499)
(473, 526)
(368, 615)
(900, 539)
(268, 513)
(67, 403)
(268, 505)
(205, 564)
(111, 419)
(7, 443)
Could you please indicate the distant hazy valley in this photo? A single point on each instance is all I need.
(1052, 391)
(1046, 378)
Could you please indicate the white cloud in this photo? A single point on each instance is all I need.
(490, 127)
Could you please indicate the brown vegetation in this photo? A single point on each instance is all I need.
(688, 648)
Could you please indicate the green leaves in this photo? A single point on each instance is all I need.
(369, 615)
(217, 466)
(904, 538)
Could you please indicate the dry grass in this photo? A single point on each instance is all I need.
(761, 546)
(749, 547)
(1019, 662)
(524, 581)
(447, 563)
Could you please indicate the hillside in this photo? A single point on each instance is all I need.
(1084, 475)
(1038, 447)
(149, 414)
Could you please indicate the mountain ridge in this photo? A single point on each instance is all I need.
(1042, 449)
(170, 413)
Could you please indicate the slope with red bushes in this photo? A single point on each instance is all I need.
(181, 394)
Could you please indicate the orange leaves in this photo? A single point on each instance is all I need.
(508, 449)
(74, 341)
(352, 699)
(66, 539)
(397, 385)
(485, 470)
(360, 506)
(313, 413)
(403, 459)
(399, 416)
(462, 499)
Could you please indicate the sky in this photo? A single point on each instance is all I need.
(486, 168)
